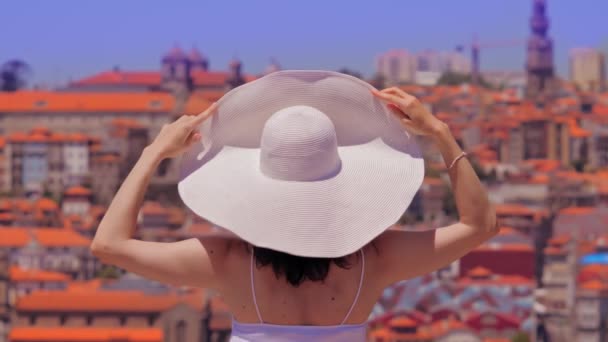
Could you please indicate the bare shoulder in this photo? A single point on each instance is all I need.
(399, 255)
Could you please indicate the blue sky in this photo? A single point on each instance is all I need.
(64, 39)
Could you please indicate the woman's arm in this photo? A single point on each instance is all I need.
(409, 254)
(185, 262)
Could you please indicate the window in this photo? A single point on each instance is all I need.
(40, 103)
(155, 103)
(488, 320)
(180, 331)
(123, 321)
(33, 319)
(151, 320)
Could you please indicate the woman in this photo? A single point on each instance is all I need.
(307, 177)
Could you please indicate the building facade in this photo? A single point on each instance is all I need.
(588, 69)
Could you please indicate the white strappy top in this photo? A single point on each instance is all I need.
(253, 332)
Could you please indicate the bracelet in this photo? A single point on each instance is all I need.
(463, 154)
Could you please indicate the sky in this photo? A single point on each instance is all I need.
(70, 39)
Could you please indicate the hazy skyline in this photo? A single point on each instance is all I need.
(64, 39)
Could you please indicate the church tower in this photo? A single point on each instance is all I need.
(539, 62)
(198, 61)
(175, 71)
(235, 75)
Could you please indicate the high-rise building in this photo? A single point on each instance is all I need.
(429, 60)
(539, 61)
(396, 67)
(456, 62)
(587, 69)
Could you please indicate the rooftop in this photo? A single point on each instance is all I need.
(88, 334)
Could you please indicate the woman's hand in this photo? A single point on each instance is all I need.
(411, 113)
(176, 137)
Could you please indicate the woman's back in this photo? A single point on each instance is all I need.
(345, 293)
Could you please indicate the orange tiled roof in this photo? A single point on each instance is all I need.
(507, 231)
(57, 102)
(7, 217)
(402, 322)
(539, 178)
(47, 237)
(46, 204)
(479, 271)
(148, 78)
(37, 136)
(497, 280)
(41, 130)
(85, 334)
(77, 191)
(552, 250)
(126, 122)
(153, 78)
(559, 240)
(578, 132)
(543, 165)
(513, 209)
(5, 204)
(594, 285)
(507, 247)
(108, 158)
(17, 273)
(443, 327)
(85, 286)
(577, 210)
(61, 237)
(104, 301)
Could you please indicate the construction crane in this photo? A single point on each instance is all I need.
(476, 46)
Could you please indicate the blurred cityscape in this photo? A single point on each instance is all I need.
(539, 143)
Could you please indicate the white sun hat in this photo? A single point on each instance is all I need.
(304, 162)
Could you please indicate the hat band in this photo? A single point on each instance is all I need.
(315, 167)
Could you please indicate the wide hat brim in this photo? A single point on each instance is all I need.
(382, 168)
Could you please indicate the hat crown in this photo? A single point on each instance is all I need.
(299, 143)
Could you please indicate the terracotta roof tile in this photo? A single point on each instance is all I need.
(103, 301)
(108, 158)
(62, 102)
(514, 209)
(17, 274)
(84, 334)
(594, 285)
(147, 78)
(46, 204)
(551, 250)
(77, 191)
(402, 322)
(47, 237)
(506, 247)
(577, 210)
(559, 240)
(7, 217)
(479, 272)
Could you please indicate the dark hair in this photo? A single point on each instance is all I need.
(297, 269)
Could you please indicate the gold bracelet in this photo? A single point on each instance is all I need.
(463, 154)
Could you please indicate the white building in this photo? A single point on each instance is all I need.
(587, 69)
(396, 66)
(76, 159)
